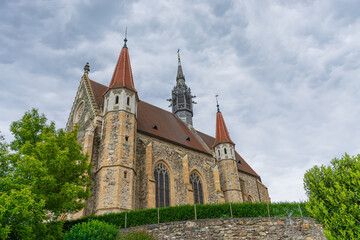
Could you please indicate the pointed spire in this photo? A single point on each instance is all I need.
(122, 77)
(180, 78)
(222, 134)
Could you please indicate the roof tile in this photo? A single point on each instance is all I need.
(122, 77)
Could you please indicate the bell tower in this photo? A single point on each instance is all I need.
(116, 167)
(181, 99)
(224, 149)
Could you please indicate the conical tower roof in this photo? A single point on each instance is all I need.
(122, 77)
(222, 134)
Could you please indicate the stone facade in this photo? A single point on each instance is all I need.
(125, 146)
(236, 228)
(181, 162)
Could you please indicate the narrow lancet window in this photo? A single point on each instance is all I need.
(116, 99)
(128, 101)
(162, 192)
(197, 187)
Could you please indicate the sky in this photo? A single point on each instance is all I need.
(285, 71)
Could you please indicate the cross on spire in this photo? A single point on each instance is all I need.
(178, 52)
(217, 103)
(125, 40)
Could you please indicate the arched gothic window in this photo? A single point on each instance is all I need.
(197, 187)
(161, 174)
(116, 99)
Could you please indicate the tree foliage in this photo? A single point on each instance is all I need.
(96, 230)
(45, 175)
(334, 196)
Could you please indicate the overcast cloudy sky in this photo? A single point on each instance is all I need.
(286, 71)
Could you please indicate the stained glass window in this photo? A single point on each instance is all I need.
(197, 187)
(162, 186)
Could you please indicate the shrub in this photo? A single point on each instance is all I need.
(94, 230)
(334, 197)
(186, 212)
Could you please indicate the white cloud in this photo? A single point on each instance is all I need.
(285, 70)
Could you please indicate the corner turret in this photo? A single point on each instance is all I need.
(118, 137)
(224, 149)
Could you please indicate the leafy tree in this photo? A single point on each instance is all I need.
(46, 174)
(334, 196)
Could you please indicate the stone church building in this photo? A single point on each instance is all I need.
(146, 157)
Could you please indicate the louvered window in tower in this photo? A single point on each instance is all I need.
(197, 187)
(162, 192)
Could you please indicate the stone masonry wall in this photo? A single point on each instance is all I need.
(251, 187)
(172, 154)
(236, 228)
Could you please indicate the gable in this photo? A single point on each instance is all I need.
(83, 110)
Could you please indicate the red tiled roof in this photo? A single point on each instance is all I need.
(169, 127)
(122, 77)
(222, 134)
(98, 90)
(242, 166)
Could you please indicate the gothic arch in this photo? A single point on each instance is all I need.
(250, 199)
(203, 183)
(170, 183)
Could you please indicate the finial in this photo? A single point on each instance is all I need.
(178, 52)
(217, 103)
(86, 68)
(125, 40)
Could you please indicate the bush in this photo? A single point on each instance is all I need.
(92, 230)
(334, 197)
(134, 235)
(186, 212)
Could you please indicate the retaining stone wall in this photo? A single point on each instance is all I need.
(236, 228)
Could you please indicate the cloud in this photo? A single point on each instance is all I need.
(285, 70)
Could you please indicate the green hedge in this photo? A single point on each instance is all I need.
(203, 211)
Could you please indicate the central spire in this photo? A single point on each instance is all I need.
(122, 76)
(180, 78)
(181, 100)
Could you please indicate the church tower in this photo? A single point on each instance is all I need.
(181, 100)
(224, 149)
(116, 174)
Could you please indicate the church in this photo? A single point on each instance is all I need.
(146, 157)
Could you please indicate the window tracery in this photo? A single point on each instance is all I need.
(197, 187)
(161, 175)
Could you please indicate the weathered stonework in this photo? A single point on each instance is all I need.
(116, 168)
(125, 147)
(173, 156)
(236, 228)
